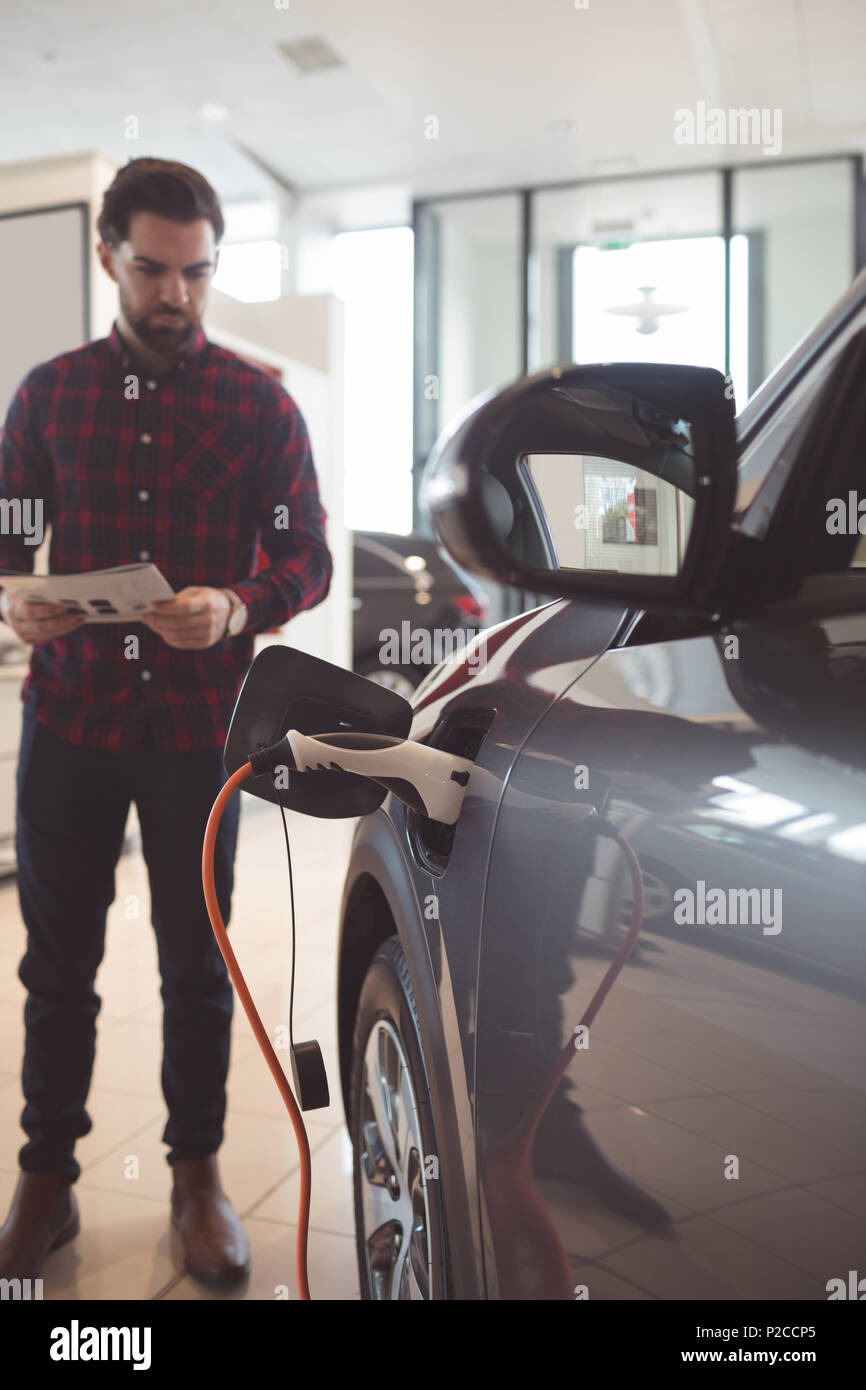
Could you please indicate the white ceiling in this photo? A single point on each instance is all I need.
(496, 74)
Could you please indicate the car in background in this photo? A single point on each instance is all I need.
(406, 585)
(604, 1037)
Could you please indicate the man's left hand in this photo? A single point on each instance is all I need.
(195, 618)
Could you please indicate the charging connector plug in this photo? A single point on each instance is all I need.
(429, 780)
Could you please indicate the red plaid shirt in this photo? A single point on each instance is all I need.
(190, 470)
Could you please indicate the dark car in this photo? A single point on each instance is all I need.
(605, 1037)
(411, 608)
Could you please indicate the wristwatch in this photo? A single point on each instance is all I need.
(238, 614)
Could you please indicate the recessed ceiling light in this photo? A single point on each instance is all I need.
(213, 111)
(311, 55)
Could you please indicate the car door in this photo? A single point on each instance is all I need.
(705, 1136)
(723, 1073)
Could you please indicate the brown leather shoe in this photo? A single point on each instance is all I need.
(43, 1216)
(215, 1244)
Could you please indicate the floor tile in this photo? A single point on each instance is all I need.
(331, 1202)
(331, 1265)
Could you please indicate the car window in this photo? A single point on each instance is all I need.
(769, 446)
(814, 522)
(763, 414)
(766, 460)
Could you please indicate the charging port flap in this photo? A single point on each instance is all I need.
(289, 689)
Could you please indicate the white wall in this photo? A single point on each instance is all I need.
(45, 312)
(303, 336)
(71, 178)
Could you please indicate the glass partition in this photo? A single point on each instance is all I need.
(797, 222)
(726, 268)
(630, 271)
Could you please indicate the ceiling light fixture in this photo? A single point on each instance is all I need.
(562, 126)
(213, 111)
(647, 312)
(311, 55)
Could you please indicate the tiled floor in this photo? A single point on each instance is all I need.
(695, 1056)
(126, 1248)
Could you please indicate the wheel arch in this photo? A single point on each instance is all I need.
(379, 901)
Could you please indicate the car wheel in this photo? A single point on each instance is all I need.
(401, 679)
(399, 1215)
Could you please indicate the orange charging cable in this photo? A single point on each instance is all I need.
(264, 1042)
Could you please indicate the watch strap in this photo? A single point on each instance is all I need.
(234, 602)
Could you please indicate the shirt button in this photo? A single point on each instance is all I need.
(144, 554)
(145, 675)
(151, 385)
(146, 438)
(144, 495)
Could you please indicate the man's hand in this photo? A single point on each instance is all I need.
(38, 622)
(195, 618)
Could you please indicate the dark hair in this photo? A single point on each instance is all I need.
(162, 186)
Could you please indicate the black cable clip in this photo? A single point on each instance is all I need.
(310, 1077)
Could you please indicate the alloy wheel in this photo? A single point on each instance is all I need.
(394, 1201)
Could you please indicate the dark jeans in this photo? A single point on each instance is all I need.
(72, 808)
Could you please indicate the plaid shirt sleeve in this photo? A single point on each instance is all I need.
(292, 521)
(25, 481)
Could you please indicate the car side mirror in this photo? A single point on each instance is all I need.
(614, 481)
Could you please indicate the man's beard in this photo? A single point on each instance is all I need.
(164, 338)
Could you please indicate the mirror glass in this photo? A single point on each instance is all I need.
(595, 513)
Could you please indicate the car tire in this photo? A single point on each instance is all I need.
(395, 1159)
